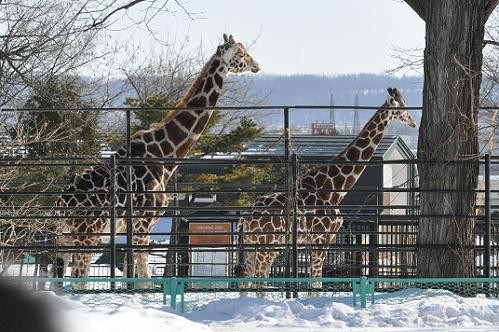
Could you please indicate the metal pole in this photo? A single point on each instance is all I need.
(294, 192)
(287, 150)
(486, 238)
(171, 255)
(373, 242)
(112, 217)
(129, 206)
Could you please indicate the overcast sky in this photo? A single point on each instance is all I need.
(315, 36)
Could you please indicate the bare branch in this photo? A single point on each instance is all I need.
(419, 6)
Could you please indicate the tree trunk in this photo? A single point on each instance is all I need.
(448, 131)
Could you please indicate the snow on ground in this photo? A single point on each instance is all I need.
(408, 310)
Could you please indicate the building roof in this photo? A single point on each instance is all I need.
(321, 146)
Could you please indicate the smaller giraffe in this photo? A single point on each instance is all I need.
(323, 186)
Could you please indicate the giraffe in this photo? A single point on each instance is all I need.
(321, 186)
(172, 137)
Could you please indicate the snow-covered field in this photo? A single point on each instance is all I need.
(408, 310)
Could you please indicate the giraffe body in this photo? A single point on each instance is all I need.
(173, 137)
(322, 188)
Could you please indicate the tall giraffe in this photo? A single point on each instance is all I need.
(319, 186)
(173, 137)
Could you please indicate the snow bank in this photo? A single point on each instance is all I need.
(408, 310)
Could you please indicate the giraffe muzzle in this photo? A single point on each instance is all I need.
(255, 68)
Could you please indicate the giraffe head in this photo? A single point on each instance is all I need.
(395, 99)
(235, 56)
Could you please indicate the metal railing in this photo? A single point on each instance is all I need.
(371, 242)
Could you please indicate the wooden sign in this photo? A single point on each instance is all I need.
(203, 238)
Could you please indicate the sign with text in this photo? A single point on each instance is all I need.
(199, 233)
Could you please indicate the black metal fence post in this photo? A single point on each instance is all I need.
(294, 193)
(487, 217)
(112, 217)
(129, 202)
(373, 241)
(287, 150)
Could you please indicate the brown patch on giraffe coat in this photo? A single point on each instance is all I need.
(378, 138)
(218, 80)
(213, 98)
(353, 154)
(186, 119)
(201, 123)
(371, 126)
(333, 171)
(309, 222)
(319, 179)
(175, 134)
(159, 134)
(358, 169)
(308, 182)
(268, 227)
(147, 137)
(310, 200)
(318, 226)
(362, 143)
(214, 66)
(335, 198)
(157, 172)
(350, 181)
(328, 184)
(166, 147)
(338, 181)
(208, 85)
(281, 199)
(347, 169)
(154, 150)
(367, 153)
(199, 101)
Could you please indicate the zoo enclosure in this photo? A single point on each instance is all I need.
(373, 241)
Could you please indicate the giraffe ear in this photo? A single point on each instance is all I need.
(231, 40)
(390, 92)
(396, 92)
(226, 40)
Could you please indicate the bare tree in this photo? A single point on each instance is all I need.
(452, 68)
(45, 38)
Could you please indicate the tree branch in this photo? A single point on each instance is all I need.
(489, 7)
(490, 42)
(124, 7)
(420, 7)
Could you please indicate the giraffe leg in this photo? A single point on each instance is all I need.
(141, 260)
(248, 268)
(317, 262)
(81, 268)
(264, 262)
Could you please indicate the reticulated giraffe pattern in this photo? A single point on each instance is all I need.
(173, 137)
(320, 190)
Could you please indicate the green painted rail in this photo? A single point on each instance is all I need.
(361, 287)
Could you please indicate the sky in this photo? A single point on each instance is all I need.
(289, 37)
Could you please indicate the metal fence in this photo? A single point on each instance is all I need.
(378, 237)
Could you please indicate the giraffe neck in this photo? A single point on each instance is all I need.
(177, 133)
(344, 177)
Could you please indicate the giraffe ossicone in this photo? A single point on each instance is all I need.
(173, 137)
(321, 189)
